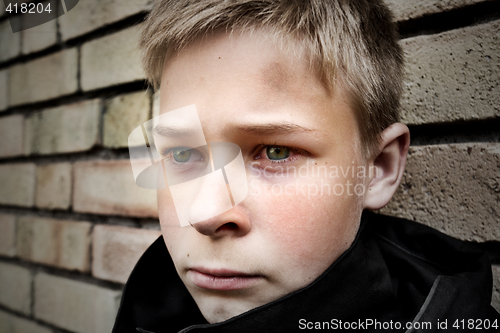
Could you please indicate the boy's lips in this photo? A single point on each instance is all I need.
(221, 279)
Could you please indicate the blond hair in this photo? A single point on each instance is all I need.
(352, 42)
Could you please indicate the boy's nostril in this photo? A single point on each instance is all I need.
(228, 226)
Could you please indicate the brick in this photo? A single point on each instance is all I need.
(86, 17)
(7, 235)
(407, 9)
(495, 300)
(11, 135)
(74, 305)
(59, 243)
(453, 188)
(108, 187)
(4, 89)
(15, 287)
(49, 77)
(18, 184)
(53, 186)
(116, 250)
(24, 236)
(10, 43)
(111, 60)
(39, 37)
(65, 129)
(453, 76)
(10, 323)
(122, 115)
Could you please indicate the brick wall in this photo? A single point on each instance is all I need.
(72, 222)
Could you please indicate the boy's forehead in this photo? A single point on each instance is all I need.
(276, 75)
(257, 58)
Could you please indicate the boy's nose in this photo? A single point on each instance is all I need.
(211, 214)
(232, 223)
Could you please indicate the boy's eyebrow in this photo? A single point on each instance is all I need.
(174, 130)
(271, 128)
(254, 129)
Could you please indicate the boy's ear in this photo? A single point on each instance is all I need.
(389, 166)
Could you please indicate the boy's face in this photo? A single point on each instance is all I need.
(293, 225)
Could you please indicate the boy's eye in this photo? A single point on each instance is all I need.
(180, 155)
(183, 155)
(273, 155)
(277, 153)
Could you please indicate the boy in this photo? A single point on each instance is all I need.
(309, 92)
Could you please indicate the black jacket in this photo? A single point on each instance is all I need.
(396, 272)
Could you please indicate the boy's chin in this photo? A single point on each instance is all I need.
(216, 311)
(218, 306)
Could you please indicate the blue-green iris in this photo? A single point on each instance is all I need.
(181, 156)
(277, 153)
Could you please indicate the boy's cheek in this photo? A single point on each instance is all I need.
(169, 221)
(305, 222)
(302, 219)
